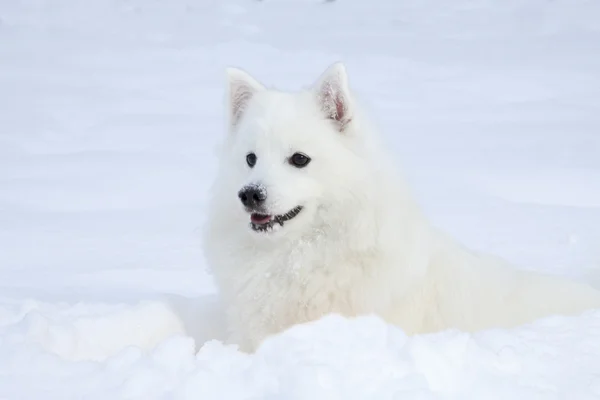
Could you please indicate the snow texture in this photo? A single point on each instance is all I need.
(110, 114)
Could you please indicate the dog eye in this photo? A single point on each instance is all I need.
(299, 160)
(251, 160)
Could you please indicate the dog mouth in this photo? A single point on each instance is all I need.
(263, 222)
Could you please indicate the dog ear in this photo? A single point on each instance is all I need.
(241, 88)
(333, 95)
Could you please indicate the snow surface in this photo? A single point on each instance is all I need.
(110, 112)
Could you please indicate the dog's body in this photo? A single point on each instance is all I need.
(308, 218)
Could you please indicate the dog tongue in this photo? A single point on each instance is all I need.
(260, 219)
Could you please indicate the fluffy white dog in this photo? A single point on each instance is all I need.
(308, 217)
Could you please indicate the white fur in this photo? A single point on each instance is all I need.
(360, 245)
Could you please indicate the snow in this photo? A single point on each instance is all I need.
(111, 111)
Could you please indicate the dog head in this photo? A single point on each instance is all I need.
(290, 160)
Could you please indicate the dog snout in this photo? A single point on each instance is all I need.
(253, 196)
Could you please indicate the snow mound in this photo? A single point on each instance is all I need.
(335, 357)
(87, 331)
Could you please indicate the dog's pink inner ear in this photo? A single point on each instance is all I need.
(334, 103)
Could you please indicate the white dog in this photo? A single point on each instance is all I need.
(308, 217)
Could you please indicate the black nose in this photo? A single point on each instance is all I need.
(253, 196)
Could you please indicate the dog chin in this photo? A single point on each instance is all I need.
(270, 223)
